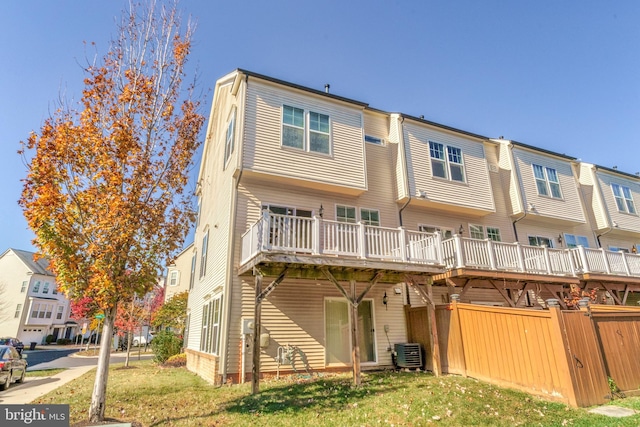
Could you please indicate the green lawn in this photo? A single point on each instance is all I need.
(155, 396)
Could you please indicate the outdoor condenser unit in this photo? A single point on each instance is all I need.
(408, 355)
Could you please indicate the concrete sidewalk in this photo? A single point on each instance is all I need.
(34, 387)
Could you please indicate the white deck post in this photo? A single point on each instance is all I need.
(492, 255)
(317, 223)
(547, 260)
(626, 264)
(361, 240)
(439, 250)
(520, 254)
(457, 241)
(263, 242)
(606, 260)
(404, 249)
(583, 258)
(572, 264)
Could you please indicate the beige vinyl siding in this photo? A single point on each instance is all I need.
(376, 124)
(569, 206)
(474, 193)
(397, 141)
(509, 179)
(215, 213)
(625, 221)
(263, 151)
(592, 197)
(552, 231)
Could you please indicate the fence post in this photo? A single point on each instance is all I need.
(520, 254)
(492, 255)
(457, 241)
(547, 260)
(564, 359)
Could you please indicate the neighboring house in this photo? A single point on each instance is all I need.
(321, 219)
(36, 307)
(180, 273)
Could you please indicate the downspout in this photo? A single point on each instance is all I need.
(406, 170)
(520, 190)
(602, 234)
(232, 241)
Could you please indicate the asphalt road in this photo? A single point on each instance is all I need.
(63, 358)
(36, 357)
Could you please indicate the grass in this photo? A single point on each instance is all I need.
(44, 372)
(156, 396)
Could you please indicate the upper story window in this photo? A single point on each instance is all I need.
(373, 140)
(446, 162)
(59, 313)
(23, 289)
(573, 241)
(203, 255)
(624, 201)
(36, 287)
(482, 232)
(547, 181)
(618, 249)
(370, 217)
(55, 289)
(18, 310)
(229, 140)
(194, 258)
(315, 136)
(45, 288)
(346, 214)
(173, 279)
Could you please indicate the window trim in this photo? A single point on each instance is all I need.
(368, 222)
(374, 140)
(447, 162)
(538, 237)
(548, 183)
(307, 130)
(627, 202)
(442, 230)
(211, 321)
(173, 279)
(484, 229)
(229, 140)
(347, 207)
(203, 255)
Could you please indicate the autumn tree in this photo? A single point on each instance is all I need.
(104, 192)
(173, 314)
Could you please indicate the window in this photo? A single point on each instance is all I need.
(573, 241)
(23, 289)
(18, 310)
(203, 255)
(36, 287)
(623, 198)
(210, 334)
(338, 328)
(45, 288)
(482, 232)
(446, 233)
(55, 289)
(318, 132)
(373, 140)
(547, 181)
(228, 145)
(34, 310)
(370, 217)
(173, 280)
(449, 166)
(59, 313)
(540, 241)
(194, 259)
(345, 214)
(618, 249)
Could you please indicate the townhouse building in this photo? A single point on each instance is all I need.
(322, 219)
(33, 306)
(180, 274)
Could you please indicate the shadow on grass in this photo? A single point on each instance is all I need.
(296, 394)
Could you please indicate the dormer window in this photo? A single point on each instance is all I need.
(308, 131)
(623, 198)
(446, 162)
(547, 181)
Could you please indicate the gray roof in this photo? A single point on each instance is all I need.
(41, 266)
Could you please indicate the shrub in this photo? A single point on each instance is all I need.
(49, 339)
(63, 341)
(165, 344)
(176, 361)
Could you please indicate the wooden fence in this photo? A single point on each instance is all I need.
(565, 355)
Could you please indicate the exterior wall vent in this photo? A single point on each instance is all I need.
(408, 355)
(493, 167)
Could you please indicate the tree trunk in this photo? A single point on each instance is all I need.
(99, 396)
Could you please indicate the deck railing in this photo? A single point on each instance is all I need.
(316, 236)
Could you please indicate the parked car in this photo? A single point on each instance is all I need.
(14, 342)
(13, 366)
(142, 339)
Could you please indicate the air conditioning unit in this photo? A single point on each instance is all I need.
(408, 355)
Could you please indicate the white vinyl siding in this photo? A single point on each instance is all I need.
(265, 138)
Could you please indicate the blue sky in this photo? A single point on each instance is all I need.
(563, 76)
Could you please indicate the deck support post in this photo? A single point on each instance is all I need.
(255, 370)
(355, 350)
